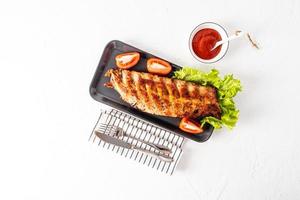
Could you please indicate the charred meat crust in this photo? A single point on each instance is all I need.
(164, 96)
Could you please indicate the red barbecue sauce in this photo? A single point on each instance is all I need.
(203, 41)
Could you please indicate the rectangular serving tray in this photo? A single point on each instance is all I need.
(112, 98)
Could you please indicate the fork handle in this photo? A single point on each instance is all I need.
(158, 147)
(157, 155)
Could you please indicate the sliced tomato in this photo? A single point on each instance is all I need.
(127, 60)
(190, 126)
(158, 66)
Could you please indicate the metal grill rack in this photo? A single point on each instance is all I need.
(142, 130)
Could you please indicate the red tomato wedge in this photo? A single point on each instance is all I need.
(158, 66)
(190, 126)
(127, 60)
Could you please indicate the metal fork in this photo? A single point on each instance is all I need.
(119, 132)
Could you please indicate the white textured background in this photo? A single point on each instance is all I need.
(49, 51)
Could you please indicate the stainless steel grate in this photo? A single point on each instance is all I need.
(142, 130)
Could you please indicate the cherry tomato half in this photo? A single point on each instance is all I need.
(158, 66)
(127, 60)
(190, 126)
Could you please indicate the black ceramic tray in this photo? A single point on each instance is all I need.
(112, 98)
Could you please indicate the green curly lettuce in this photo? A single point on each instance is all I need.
(227, 88)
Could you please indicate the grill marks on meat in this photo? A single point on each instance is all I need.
(164, 96)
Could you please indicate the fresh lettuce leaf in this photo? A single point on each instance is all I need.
(227, 88)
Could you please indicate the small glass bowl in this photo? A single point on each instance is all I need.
(223, 34)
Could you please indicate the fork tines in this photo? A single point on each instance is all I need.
(107, 127)
(101, 125)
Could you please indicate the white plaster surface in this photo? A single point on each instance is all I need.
(49, 51)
